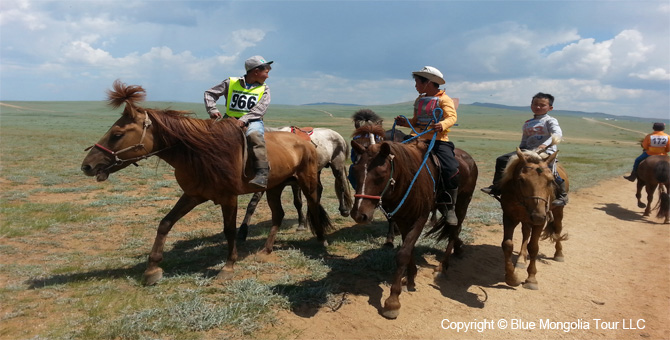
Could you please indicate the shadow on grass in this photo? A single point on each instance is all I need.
(366, 274)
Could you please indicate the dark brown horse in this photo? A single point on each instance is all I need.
(385, 175)
(654, 172)
(528, 188)
(207, 156)
(468, 171)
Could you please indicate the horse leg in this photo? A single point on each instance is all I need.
(184, 205)
(229, 212)
(533, 249)
(638, 194)
(404, 262)
(317, 216)
(557, 225)
(522, 261)
(650, 197)
(297, 202)
(342, 190)
(244, 227)
(274, 201)
(508, 247)
(390, 235)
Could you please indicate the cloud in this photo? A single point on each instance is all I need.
(655, 74)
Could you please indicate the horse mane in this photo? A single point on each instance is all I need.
(196, 142)
(366, 130)
(122, 93)
(365, 117)
(528, 155)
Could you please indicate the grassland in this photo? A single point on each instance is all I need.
(72, 250)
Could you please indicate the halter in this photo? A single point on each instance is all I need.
(549, 216)
(115, 154)
(389, 183)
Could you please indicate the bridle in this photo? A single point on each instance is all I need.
(547, 205)
(115, 154)
(389, 184)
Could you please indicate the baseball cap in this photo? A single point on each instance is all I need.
(254, 62)
(431, 74)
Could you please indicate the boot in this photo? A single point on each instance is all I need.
(561, 195)
(262, 172)
(494, 189)
(452, 219)
(632, 176)
(257, 143)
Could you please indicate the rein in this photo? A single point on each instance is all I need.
(115, 154)
(416, 175)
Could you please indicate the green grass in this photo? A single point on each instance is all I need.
(73, 250)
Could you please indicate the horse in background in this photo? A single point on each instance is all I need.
(527, 190)
(209, 163)
(384, 172)
(654, 172)
(332, 152)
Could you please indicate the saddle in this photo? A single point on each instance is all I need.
(303, 133)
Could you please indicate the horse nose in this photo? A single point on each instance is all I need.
(86, 168)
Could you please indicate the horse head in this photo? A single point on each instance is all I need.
(127, 141)
(374, 174)
(532, 184)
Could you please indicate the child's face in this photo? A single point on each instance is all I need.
(540, 106)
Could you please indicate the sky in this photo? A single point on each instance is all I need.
(595, 56)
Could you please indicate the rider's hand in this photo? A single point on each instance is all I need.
(437, 127)
(216, 115)
(400, 120)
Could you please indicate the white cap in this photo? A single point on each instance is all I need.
(254, 62)
(431, 74)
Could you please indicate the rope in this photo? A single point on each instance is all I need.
(423, 163)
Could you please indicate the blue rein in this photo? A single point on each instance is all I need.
(423, 163)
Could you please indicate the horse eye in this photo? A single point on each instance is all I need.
(115, 137)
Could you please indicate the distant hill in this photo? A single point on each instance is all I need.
(314, 104)
(566, 112)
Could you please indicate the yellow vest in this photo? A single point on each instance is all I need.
(241, 100)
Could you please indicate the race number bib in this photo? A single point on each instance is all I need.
(243, 101)
(658, 141)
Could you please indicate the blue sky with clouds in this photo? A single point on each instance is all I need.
(595, 56)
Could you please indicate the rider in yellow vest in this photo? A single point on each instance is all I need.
(247, 99)
(655, 143)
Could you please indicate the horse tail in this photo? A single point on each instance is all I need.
(550, 233)
(319, 221)
(663, 205)
(122, 93)
(441, 230)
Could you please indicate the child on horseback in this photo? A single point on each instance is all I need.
(427, 82)
(537, 135)
(655, 143)
(247, 99)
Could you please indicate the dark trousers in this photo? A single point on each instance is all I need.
(448, 163)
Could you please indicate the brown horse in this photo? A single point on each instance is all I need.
(468, 173)
(384, 173)
(207, 156)
(528, 188)
(652, 172)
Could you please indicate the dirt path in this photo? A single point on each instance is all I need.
(617, 271)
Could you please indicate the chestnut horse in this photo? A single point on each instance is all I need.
(385, 173)
(332, 152)
(652, 172)
(527, 190)
(208, 158)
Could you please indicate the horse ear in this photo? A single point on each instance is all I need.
(551, 157)
(357, 147)
(385, 150)
(519, 154)
(129, 111)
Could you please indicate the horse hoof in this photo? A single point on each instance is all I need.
(225, 275)
(300, 228)
(531, 285)
(559, 258)
(391, 314)
(344, 213)
(512, 282)
(388, 245)
(641, 205)
(152, 277)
